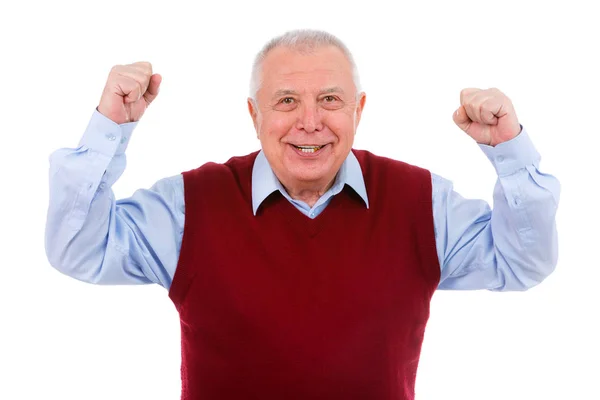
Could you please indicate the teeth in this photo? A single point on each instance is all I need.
(308, 149)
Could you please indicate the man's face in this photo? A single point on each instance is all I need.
(306, 114)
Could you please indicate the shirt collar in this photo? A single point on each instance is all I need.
(264, 181)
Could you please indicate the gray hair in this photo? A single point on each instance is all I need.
(301, 40)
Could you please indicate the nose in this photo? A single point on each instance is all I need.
(309, 118)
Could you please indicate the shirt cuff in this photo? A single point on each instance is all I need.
(513, 155)
(106, 136)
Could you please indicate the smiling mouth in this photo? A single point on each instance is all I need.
(309, 149)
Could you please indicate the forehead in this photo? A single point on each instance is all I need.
(309, 69)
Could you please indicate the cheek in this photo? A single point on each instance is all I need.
(276, 128)
(341, 125)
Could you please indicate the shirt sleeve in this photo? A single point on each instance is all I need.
(95, 238)
(514, 247)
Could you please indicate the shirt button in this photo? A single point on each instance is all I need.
(517, 201)
(123, 139)
(110, 137)
(499, 158)
(102, 186)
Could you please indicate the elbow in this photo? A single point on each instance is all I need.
(545, 259)
(59, 237)
(538, 269)
(524, 273)
(52, 250)
(542, 271)
(57, 256)
(72, 266)
(69, 260)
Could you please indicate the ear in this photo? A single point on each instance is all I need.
(253, 110)
(360, 105)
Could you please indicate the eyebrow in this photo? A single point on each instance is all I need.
(285, 92)
(335, 89)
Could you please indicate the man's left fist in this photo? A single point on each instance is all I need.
(487, 116)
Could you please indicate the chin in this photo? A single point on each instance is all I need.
(316, 175)
(309, 178)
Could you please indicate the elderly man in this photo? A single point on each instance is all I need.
(304, 270)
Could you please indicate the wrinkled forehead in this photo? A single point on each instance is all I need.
(306, 70)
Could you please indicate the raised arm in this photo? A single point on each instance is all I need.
(90, 235)
(514, 245)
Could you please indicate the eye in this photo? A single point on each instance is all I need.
(287, 100)
(329, 99)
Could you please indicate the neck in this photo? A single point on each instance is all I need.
(309, 194)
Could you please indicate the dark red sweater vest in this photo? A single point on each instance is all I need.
(280, 306)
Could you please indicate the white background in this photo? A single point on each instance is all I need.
(63, 339)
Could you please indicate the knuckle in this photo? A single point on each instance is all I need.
(146, 66)
(468, 94)
(497, 92)
(142, 68)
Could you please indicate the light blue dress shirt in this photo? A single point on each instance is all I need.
(95, 238)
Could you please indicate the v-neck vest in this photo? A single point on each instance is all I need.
(280, 306)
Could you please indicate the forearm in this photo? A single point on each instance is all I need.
(523, 226)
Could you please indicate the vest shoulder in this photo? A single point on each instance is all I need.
(238, 165)
(218, 183)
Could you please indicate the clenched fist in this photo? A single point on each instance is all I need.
(487, 116)
(128, 91)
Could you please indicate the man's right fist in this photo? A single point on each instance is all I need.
(128, 91)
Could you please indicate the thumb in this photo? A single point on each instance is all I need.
(461, 118)
(153, 88)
